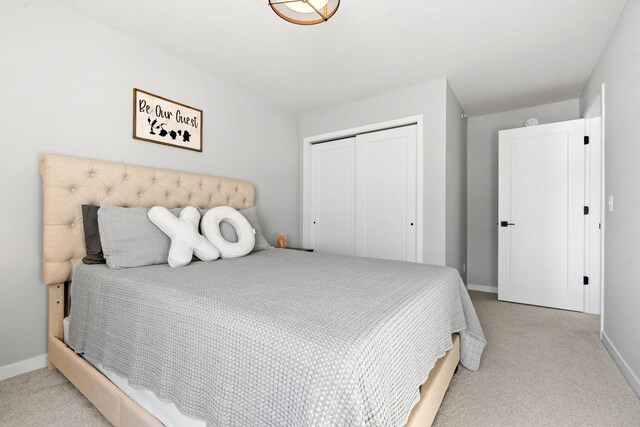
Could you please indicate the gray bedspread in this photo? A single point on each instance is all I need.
(277, 338)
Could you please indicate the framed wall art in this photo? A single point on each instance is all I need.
(163, 121)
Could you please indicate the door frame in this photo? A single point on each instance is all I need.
(352, 132)
(597, 107)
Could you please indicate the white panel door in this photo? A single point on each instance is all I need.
(541, 215)
(386, 194)
(332, 196)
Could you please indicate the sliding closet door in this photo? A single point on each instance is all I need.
(386, 180)
(332, 196)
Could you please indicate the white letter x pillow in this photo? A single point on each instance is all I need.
(183, 232)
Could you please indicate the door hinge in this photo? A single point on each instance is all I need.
(586, 140)
(586, 210)
(585, 280)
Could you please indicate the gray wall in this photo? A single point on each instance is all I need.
(482, 182)
(456, 191)
(619, 69)
(66, 88)
(428, 99)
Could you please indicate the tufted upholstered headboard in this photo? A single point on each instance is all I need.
(70, 182)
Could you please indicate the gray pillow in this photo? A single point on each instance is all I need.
(130, 239)
(92, 235)
(229, 233)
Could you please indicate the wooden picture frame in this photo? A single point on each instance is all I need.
(164, 121)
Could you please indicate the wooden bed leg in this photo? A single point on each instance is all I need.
(56, 313)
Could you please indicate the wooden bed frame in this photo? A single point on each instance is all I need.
(70, 182)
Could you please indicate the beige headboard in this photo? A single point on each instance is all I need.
(70, 182)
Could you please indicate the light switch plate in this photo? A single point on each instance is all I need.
(610, 203)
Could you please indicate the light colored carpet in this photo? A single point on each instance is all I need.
(542, 367)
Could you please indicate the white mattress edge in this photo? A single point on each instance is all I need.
(65, 330)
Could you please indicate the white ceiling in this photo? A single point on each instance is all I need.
(497, 54)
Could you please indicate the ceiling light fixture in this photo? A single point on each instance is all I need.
(305, 12)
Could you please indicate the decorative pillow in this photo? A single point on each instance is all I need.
(229, 233)
(92, 235)
(245, 234)
(129, 239)
(183, 232)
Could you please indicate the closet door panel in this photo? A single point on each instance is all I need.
(386, 194)
(332, 196)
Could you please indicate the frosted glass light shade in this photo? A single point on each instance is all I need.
(309, 6)
(305, 12)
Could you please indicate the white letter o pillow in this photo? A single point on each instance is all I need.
(210, 226)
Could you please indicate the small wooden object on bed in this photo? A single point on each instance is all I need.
(70, 182)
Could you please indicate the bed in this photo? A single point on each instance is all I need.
(295, 338)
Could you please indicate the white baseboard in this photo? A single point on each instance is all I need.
(483, 288)
(622, 364)
(22, 367)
